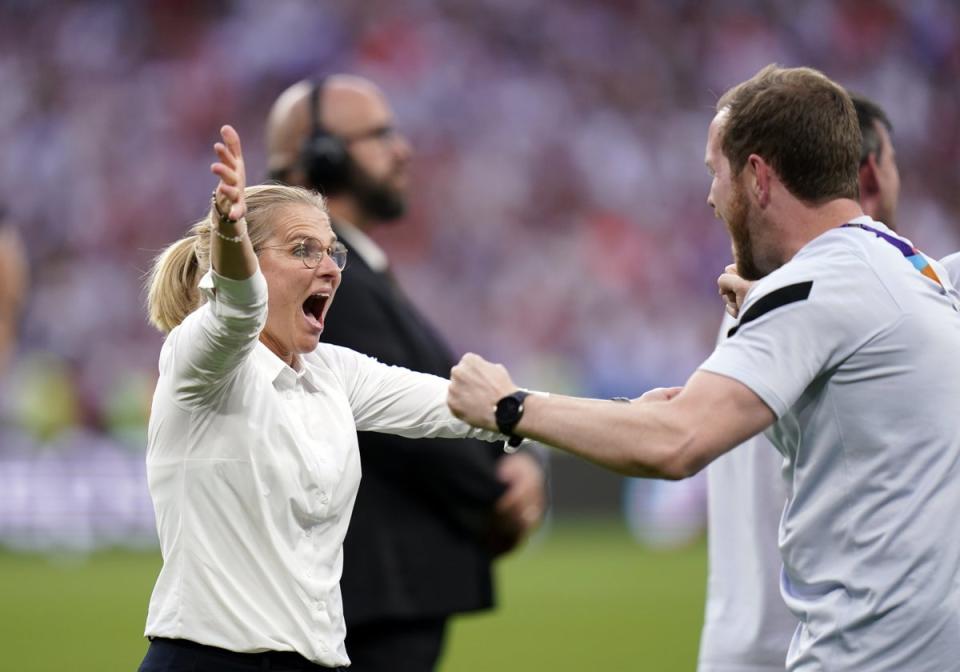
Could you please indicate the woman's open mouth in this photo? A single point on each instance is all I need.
(313, 309)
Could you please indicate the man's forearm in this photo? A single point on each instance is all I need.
(638, 439)
(667, 433)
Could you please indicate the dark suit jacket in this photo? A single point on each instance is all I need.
(417, 545)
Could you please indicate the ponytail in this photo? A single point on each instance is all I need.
(172, 286)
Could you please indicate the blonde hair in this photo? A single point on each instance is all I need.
(172, 291)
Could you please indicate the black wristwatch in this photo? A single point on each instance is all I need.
(508, 412)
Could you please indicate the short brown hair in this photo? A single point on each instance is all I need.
(802, 123)
(869, 114)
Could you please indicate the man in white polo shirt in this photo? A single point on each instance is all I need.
(746, 626)
(847, 350)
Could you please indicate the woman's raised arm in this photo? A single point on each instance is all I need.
(231, 253)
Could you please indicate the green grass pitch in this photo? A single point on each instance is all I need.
(582, 596)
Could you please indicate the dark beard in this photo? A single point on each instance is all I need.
(743, 251)
(377, 199)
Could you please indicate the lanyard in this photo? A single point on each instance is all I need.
(913, 255)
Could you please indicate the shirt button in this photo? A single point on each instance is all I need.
(321, 605)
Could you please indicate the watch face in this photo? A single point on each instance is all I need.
(507, 411)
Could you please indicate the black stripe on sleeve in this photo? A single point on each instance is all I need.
(775, 299)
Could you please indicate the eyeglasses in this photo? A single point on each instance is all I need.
(311, 252)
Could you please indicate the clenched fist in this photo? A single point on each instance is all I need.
(476, 386)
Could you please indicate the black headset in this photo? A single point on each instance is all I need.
(324, 156)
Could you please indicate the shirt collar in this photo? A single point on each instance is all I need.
(282, 376)
(869, 221)
(363, 245)
(880, 226)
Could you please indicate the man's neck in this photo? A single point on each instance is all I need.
(345, 209)
(809, 222)
(358, 240)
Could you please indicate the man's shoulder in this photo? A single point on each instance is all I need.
(951, 263)
(829, 282)
(802, 278)
(833, 252)
(824, 269)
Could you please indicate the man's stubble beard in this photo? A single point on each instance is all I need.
(737, 225)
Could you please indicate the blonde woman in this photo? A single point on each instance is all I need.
(252, 456)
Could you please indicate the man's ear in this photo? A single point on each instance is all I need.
(869, 184)
(760, 177)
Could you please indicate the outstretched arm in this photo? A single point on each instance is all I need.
(231, 253)
(666, 435)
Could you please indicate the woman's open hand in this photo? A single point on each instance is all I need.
(228, 196)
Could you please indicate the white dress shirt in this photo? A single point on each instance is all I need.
(253, 469)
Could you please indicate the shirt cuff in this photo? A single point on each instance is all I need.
(234, 297)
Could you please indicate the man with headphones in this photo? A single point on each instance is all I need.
(430, 515)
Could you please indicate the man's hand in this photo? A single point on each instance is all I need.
(520, 509)
(733, 289)
(476, 386)
(525, 498)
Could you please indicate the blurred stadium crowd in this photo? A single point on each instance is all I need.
(559, 221)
